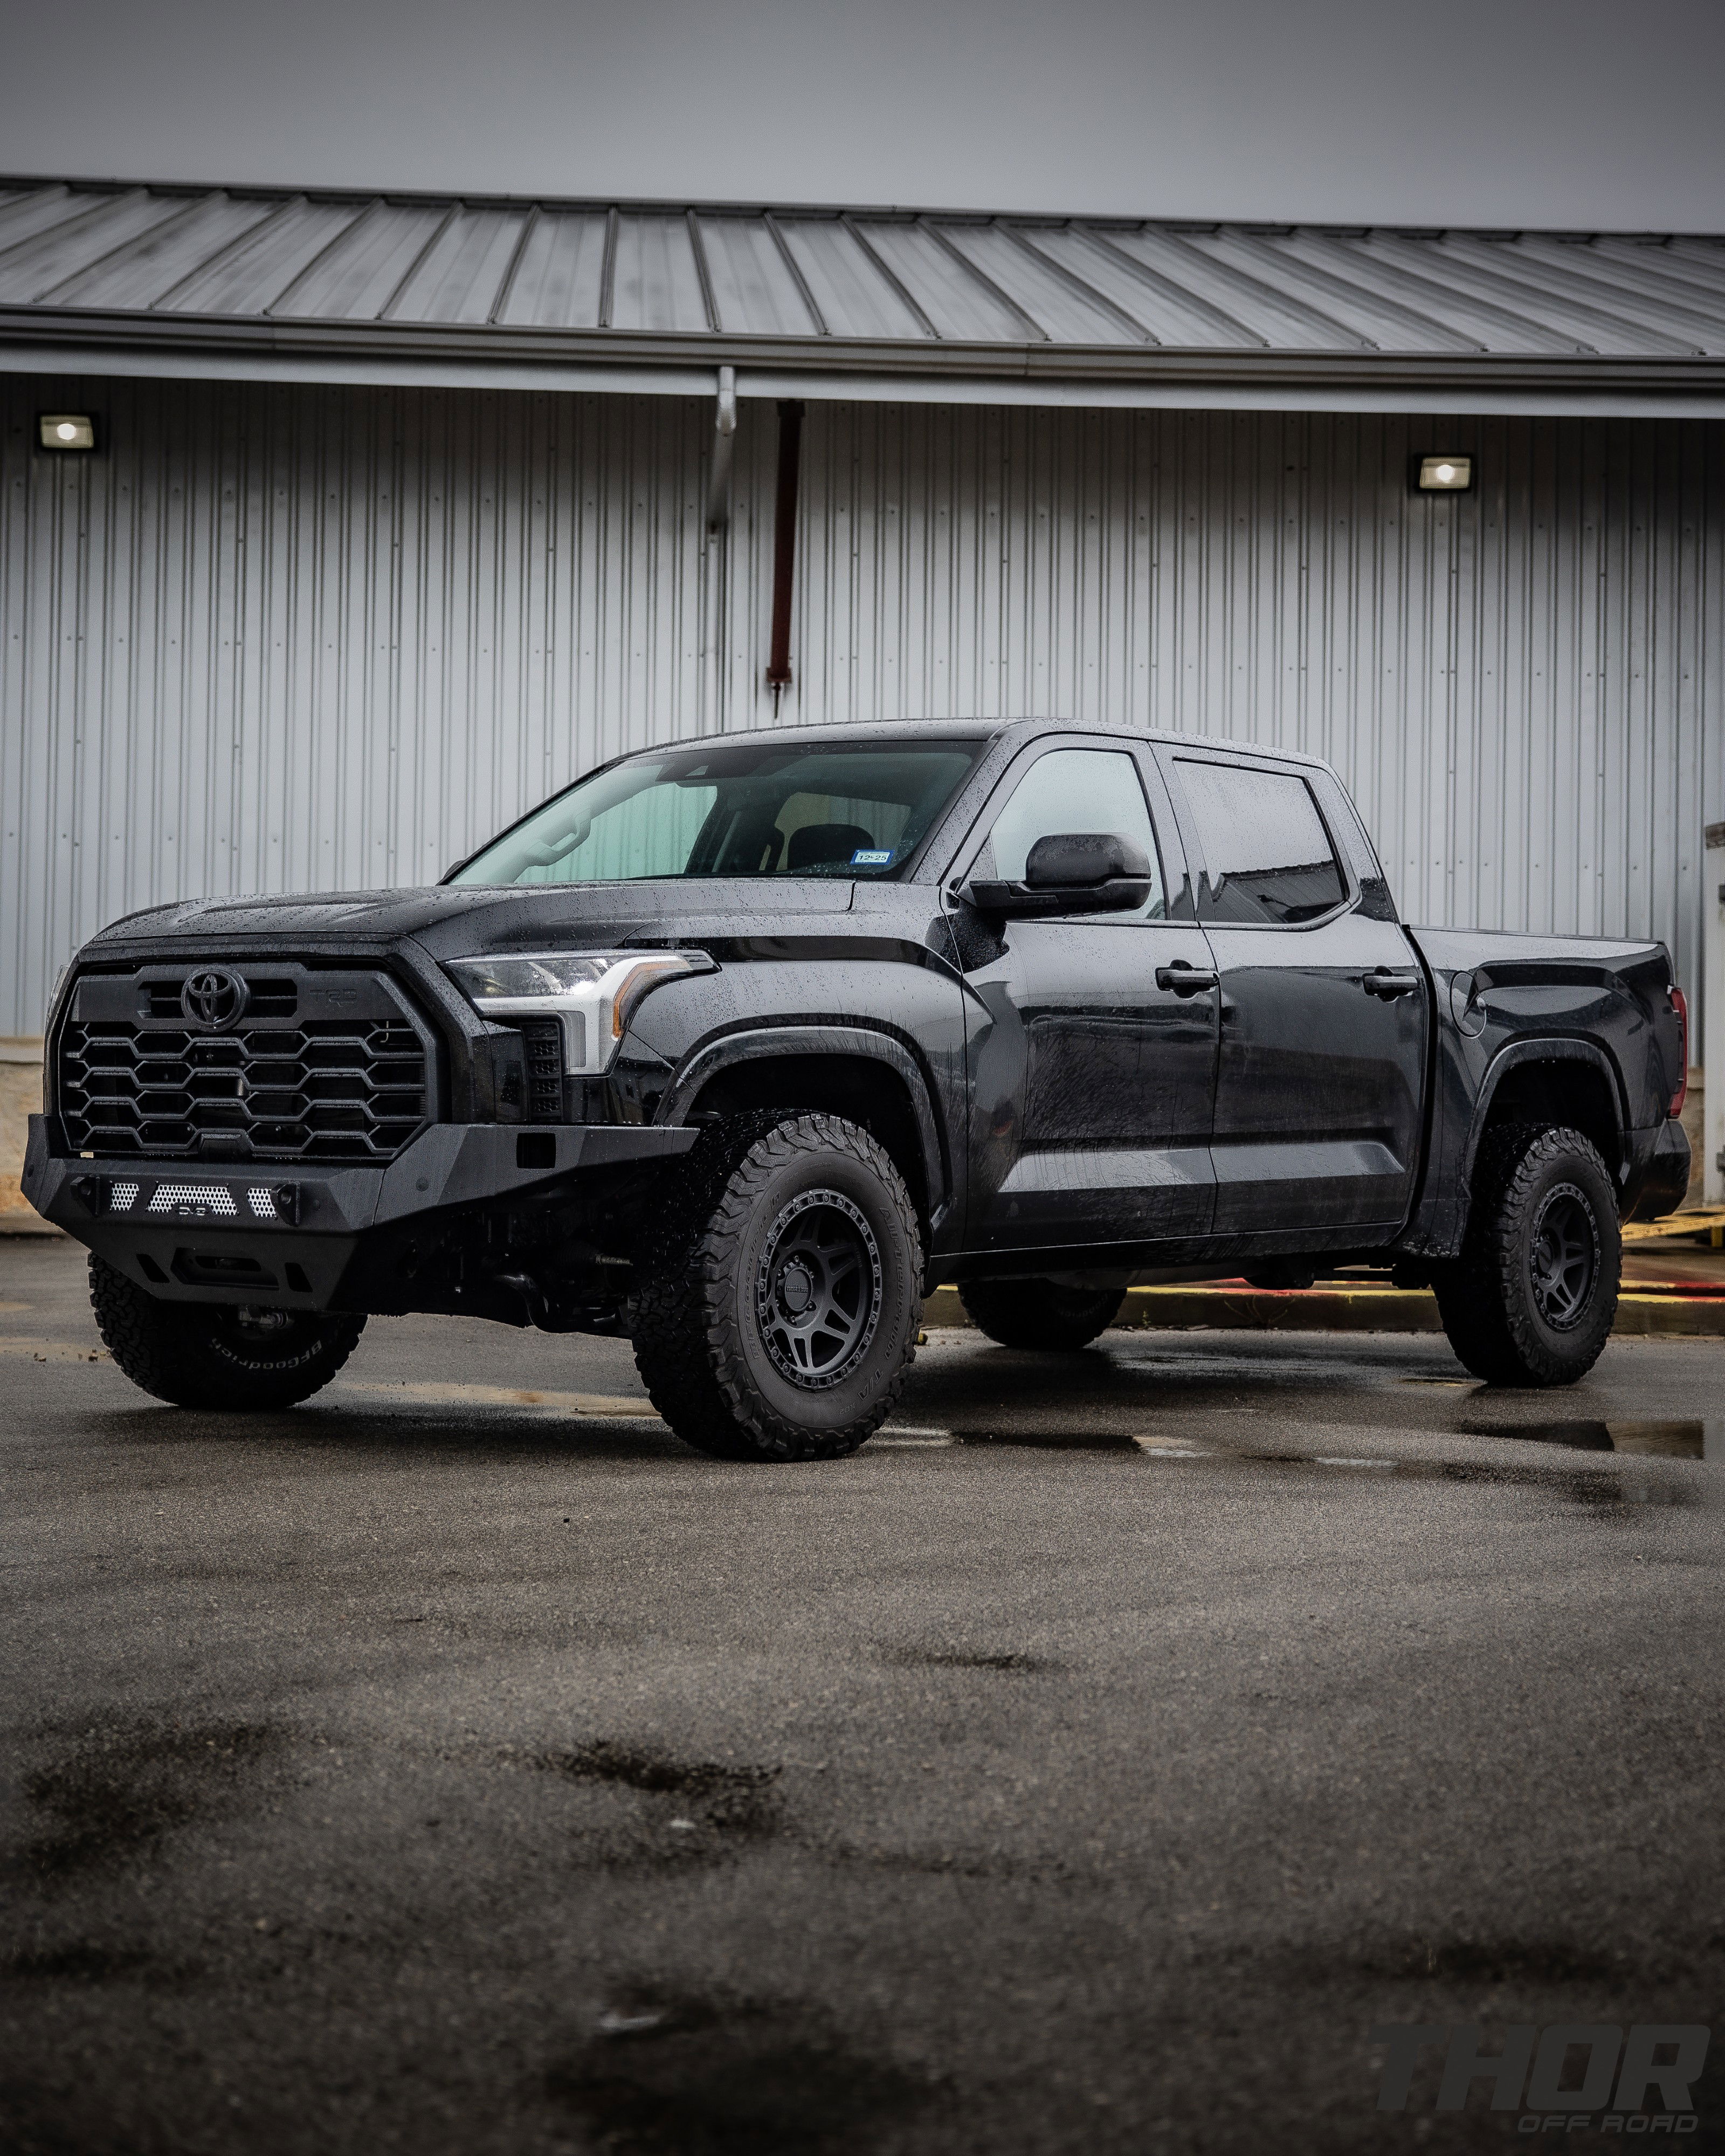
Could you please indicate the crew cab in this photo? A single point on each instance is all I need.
(740, 1045)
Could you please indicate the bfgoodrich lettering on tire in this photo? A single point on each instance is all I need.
(781, 1293)
(218, 1355)
(1532, 1298)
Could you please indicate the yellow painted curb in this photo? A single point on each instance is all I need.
(1350, 1310)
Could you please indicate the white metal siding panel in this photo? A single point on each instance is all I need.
(854, 298)
(354, 277)
(278, 637)
(753, 286)
(34, 210)
(249, 278)
(658, 286)
(458, 277)
(956, 303)
(558, 277)
(136, 275)
(31, 268)
(1053, 301)
(1183, 261)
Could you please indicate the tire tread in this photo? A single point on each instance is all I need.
(686, 1348)
(164, 1348)
(1481, 1297)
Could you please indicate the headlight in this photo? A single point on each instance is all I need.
(592, 992)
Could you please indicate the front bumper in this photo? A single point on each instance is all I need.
(195, 1231)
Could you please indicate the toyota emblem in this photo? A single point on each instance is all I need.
(214, 997)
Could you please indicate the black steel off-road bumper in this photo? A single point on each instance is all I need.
(320, 1238)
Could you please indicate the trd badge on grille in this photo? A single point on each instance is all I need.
(214, 997)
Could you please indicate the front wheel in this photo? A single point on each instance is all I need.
(1532, 1298)
(1039, 1314)
(781, 1292)
(218, 1354)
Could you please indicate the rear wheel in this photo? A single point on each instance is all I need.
(781, 1293)
(1532, 1298)
(1039, 1314)
(218, 1354)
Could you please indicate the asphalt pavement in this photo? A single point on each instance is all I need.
(456, 1764)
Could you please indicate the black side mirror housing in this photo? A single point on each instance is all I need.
(1072, 872)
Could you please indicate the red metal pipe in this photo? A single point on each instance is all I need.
(784, 543)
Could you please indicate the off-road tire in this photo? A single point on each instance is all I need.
(211, 1355)
(1504, 1318)
(1038, 1315)
(710, 1340)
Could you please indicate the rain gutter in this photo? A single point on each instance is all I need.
(611, 362)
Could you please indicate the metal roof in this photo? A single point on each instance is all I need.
(312, 285)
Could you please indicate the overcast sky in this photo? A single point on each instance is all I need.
(1576, 113)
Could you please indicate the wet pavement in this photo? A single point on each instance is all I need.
(457, 1763)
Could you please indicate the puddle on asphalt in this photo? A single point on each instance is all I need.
(1055, 1441)
(1647, 1439)
(1664, 1440)
(1592, 1485)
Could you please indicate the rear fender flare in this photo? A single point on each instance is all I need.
(1547, 1050)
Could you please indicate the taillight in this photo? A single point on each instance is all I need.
(1680, 1004)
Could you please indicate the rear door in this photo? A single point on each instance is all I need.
(1091, 1053)
(1322, 1062)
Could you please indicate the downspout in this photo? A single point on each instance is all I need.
(784, 548)
(718, 491)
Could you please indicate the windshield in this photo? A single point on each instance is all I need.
(744, 809)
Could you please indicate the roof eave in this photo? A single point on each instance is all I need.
(497, 356)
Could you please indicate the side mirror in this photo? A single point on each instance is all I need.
(1072, 872)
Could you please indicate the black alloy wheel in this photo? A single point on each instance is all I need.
(1562, 1257)
(818, 1289)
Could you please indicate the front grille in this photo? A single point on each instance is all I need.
(266, 997)
(321, 1066)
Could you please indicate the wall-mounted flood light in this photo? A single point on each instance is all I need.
(1445, 474)
(66, 430)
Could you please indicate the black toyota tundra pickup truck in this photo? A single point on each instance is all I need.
(739, 1046)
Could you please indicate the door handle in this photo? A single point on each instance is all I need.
(1388, 986)
(1184, 979)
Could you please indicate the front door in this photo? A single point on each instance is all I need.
(1091, 1059)
(1322, 1065)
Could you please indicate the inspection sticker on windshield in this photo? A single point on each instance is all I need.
(871, 857)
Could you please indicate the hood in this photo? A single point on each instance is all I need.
(454, 922)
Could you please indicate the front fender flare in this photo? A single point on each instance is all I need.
(756, 1043)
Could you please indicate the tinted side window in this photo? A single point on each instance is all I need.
(1073, 789)
(1267, 856)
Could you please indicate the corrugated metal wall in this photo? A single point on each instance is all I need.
(282, 638)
